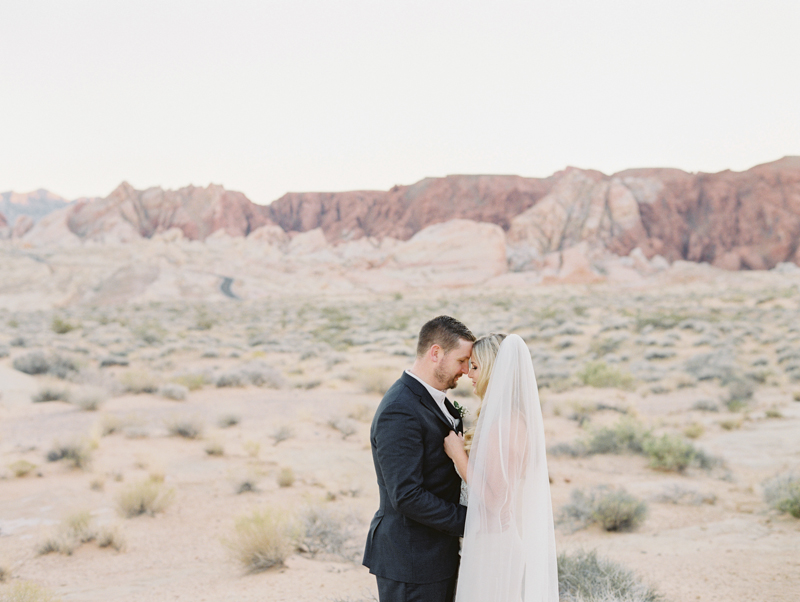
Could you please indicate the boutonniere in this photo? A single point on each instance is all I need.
(462, 411)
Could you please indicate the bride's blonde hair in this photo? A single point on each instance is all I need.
(485, 350)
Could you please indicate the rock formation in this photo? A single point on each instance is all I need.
(34, 204)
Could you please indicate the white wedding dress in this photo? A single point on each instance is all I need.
(509, 552)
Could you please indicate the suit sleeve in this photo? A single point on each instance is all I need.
(399, 447)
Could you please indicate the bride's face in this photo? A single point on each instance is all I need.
(474, 372)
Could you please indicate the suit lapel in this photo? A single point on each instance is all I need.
(425, 397)
(454, 413)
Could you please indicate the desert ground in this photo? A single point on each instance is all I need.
(228, 407)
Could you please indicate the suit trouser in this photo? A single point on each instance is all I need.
(397, 591)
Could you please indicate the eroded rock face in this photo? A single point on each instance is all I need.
(405, 210)
(128, 214)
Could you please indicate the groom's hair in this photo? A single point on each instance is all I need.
(443, 331)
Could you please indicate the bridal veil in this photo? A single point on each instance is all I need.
(509, 551)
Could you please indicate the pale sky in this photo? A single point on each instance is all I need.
(268, 97)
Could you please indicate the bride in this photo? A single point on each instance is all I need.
(509, 552)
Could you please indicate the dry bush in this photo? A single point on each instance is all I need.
(228, 420)
(36, 362)
(670, 453)
(25, 591)
(601, 375)
(5, 573)
(783, 494)
(111, 537)
(189, 427)
(694, 430)
(252, 448)
(255, 373)
(78, 453)
(138, 382)
(282, 433)
(173, 391)
(361, 412)
(89, 399)
(773, 413)
(214, 448)
(583, 577)
(75, 529)
(796, 396)
(676, 494)
(262, 539)
(705, 405)
(22, 468)
(110, 424)
(193, 382)
(247, 485)
(56, 544)
(51, 393)
(731, 424)
(144, 497)
(285, 477)
(376, 380)
(61, 326)
(345, 426)
(614, 510)
(323, 531)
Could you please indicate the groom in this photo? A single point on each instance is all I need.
(412, 545)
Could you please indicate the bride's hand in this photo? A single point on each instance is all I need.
(454, 445)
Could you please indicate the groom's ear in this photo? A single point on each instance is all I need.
(435, 353)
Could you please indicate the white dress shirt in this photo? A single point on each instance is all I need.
(438, 397)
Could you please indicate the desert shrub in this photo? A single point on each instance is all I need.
(111, 537)
(773, 413)
(625, 436)
(796, 396)
(694, 430)
(254, 373)
(677, 494)
(614, 510)
(33, 363)
(61, 326)
(252, 448)
(376, 380)
(285, 477)
(783, 494)
(345, 426)
(187, 427)
(573, 450)
(193, 382)
(75, 529)
(323, 531)
(583, 577)
(262, 539)
(26, 591)
(144, 497)
(110, 424)
(731, 424)
(705, 405)
(113, 360)
(228, 420)
(669, 452)
(247, 485)
(50, 393)
(214, 448)
(740, 392)
(78, 453)
(173, 391)
(89, 400)
(282, 433)
(138, 382)
(361, 412)
(55, 544)
(150, 332)
(601, 375)
(22, 468)
(5, 573)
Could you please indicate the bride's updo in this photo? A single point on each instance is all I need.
(485, 350)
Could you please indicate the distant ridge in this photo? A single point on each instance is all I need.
(735, 220)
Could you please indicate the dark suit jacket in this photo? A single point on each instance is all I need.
(413, 537)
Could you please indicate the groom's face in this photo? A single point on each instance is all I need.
(453, 364)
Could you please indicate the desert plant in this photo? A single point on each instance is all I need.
(740, 392)
(669, 452)
(61, 326)
(677, 494)
(26, 591)
(323, 531)
(173, 391)
(247, 485)
(51, 393)
(144, 497)
(625, 436)
(262, 539)
(228, 420)
(56, 544)
(285, 477)
(22, 468)
(252, 448)
(77, 452)
(187, 427)
(614, 510)
(253, 373)
(783, 494)
(214, 448)
(583, 577)
(109, 424)
(33, 363)
(601, 375)
(111, 537)
(705, 405)
(694, 430)
(89, 399)
(773, 413)
(345, 426)
(796, 396)
(193, 382)
(361, 412)
(282, 433)
(376, 380)
(138, 382)
(731, 424)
